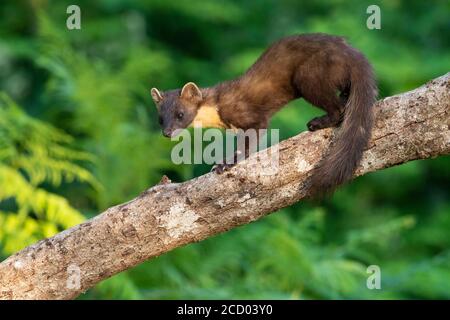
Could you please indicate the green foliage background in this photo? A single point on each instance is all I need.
(78, 133)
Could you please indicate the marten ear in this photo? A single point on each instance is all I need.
(191, 91)
(157, 96)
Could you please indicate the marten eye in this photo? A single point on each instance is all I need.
(160, 120)
(180, 115)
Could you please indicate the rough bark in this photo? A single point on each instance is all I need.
(409, 126)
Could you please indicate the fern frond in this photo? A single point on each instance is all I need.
(43, 204)
(39, 149)
(32, 153)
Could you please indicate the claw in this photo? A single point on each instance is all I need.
(312, 126)
(221, 168)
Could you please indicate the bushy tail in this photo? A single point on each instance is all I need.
(344, 154)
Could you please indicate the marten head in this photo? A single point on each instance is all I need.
(182, 108)
(177, 108)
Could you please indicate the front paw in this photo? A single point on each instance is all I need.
(222, 167)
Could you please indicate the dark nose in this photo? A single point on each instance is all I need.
(167, 132)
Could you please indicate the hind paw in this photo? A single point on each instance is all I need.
(315, 124)
(321, 123)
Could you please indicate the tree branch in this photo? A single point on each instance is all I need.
(410, 126)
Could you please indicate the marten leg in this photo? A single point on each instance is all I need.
(334, 106)
(247, 144)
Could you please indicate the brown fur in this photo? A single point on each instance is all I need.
(322, 69)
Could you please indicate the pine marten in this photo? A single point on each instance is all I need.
(322, 69)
